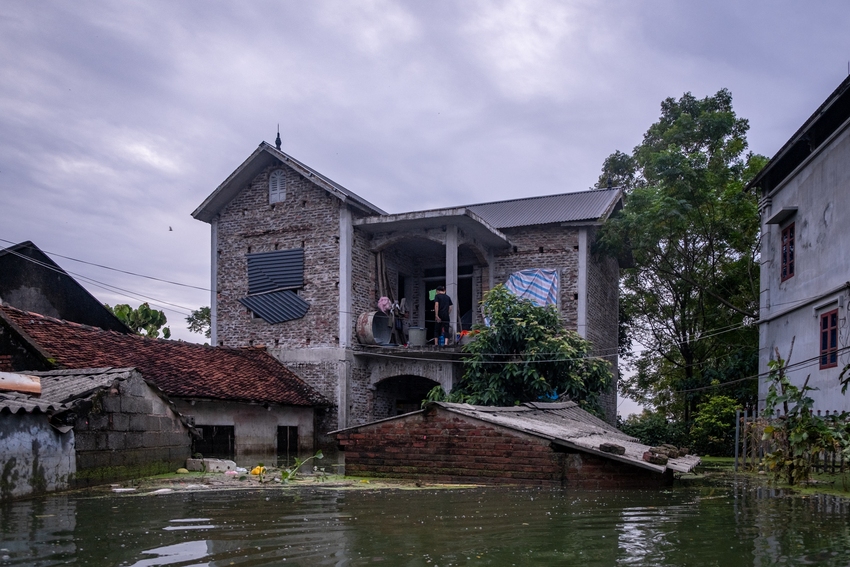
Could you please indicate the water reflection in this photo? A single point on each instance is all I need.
(177, 553)
(736, 524)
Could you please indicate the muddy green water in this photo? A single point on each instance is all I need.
(733, 524)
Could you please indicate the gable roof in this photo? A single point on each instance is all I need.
(262, 157)
(24, 267)
(177, 368)
(563, 423)
(830, 117)
(582, 207)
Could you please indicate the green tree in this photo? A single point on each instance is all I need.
(689, 233)
(200, 321)
(142, 321)
(526, 355)
(713, 431)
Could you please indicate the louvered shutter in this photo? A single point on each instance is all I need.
(277, 186)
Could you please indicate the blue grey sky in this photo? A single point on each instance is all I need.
(118, 118)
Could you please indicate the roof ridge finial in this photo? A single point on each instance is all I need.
(277, 140)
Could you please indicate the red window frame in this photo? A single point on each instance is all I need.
(829, 339)
(787, 253)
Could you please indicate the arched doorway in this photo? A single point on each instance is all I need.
(400, 394)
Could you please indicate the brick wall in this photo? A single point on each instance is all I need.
(308, 218)
(603, 289)
(440, 446)
(364, 287)
(128, 432)
(559, 247)
(324, 377)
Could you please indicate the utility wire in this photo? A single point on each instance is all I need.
(796, 366)
(113, 269)
(102, 285)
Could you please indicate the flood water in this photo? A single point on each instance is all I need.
(733, 524)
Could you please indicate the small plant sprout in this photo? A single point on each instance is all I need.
(291, 472)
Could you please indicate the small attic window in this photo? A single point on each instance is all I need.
(277, 186)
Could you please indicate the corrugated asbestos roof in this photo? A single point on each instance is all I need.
(175, 367)
(65, 386)
(589, 206)
(563, 424)
(277, 306)
(14, 402)
(59, 388)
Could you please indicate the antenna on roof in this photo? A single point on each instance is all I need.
(277, 140)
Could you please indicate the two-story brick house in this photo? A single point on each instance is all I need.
(805, 269)
(299, 263)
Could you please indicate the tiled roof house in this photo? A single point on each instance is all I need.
(242, 399)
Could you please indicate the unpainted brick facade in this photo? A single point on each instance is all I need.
(439, 446)
(309, 217)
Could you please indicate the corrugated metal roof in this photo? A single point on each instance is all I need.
(268, 271)
(277, 306)
(568, 207)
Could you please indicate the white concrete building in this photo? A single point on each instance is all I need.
(805, 269)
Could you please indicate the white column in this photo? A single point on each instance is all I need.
(451, 270)
(581, 310)
(213, 281)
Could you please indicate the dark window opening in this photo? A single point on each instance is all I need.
(829, 339)
(217, 442)
(463, 304)
(400, 284)
(287, 445)
(787, 252)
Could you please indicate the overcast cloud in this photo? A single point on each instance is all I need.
(117, 119)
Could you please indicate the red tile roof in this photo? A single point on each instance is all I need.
(177, 368)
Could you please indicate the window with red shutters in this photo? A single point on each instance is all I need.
(829, 339)
(787, 252)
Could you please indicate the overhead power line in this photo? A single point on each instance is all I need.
(116, 269)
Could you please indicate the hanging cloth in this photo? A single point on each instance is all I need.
(537, 285)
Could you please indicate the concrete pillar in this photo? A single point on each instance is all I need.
(581, 309)
(214, 281)
(491, 267)
(342, 393)
(451, 270)
(346, 236)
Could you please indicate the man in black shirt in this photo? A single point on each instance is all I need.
(442, 313)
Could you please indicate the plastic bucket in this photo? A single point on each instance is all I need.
(416, 336)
